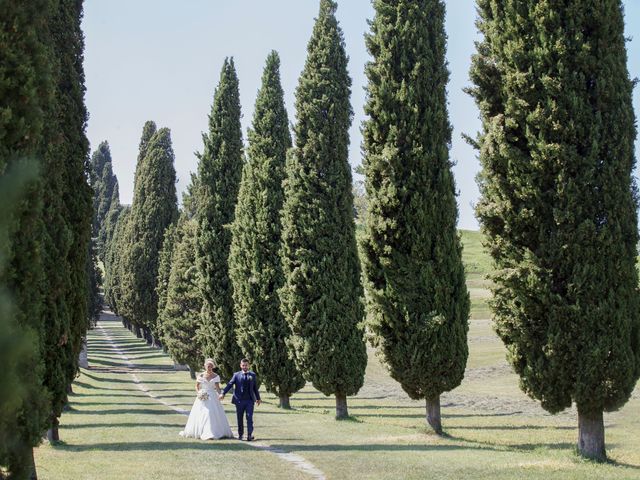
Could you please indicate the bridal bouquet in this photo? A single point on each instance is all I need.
(203, 395)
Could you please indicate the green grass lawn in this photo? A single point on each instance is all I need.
(115, 431)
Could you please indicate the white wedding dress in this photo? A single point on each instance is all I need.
(207, 419)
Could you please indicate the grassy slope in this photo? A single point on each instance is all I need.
(114, 431)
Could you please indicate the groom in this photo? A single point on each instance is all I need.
(245, 394)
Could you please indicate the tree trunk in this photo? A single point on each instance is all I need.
(53, 435)
(26, 465)
(147, 335)
(433, 414)
(341, 407)
(192, 373)
(137, 331)
(591, 436)
(284, 402)
(83, 361)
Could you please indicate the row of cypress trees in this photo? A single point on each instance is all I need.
(246, 240)
(134, 235)
(278, 272)
(45, 224)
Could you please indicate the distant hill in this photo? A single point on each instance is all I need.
(476, 260)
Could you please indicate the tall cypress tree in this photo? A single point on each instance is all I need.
(154, 208)
(78, 195)
(417, 301)
(219, 172)
(114, 283)
(104, 182)
(255, 266)
(111, 220)
(180, 318)
(321, 298)
(100, 165)
(126, 292)
(165, 261)
(70, 205)
(26, 83)
(558, 203)
(111, 223)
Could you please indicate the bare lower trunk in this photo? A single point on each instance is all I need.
(433, 414)
(146, 334)
(137, 331)
(284, 402)
(591, 436)
(341, 407)
(53, 435)
(83, 360)
(192, 373)
(25, 468)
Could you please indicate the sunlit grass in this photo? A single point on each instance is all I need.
(493, 431)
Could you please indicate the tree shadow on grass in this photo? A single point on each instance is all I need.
(126, 395)
(388, 415)
(527, 447)
(369, 447)
(116, 389)
(126, 411)
(510, 427)
(213, 445)
(126, 379)
(145, 401)
(126, 349)
(122, 425)
(465, 415)
(385, 407)
(179, 395)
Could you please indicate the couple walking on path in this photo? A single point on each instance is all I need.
(207, 419)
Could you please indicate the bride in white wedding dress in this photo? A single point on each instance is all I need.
(207, 419)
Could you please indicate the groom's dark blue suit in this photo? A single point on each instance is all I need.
(245, 394)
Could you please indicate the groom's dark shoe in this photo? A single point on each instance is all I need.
(251, 438)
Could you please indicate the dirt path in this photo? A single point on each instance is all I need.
(132, 369)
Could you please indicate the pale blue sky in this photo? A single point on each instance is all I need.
(160, 60)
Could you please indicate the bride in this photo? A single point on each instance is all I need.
(207, 419)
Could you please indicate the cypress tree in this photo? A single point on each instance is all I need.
(104, 182)
(154, 208)
(25, 80)
(165, 261)
(100, 160)
(321, 298)
(126, 292)
(417, 300)
(115, 259)
(24, 401)
(558, 202)
(180, 319)
(111, 220)
(68, 205)
(254, 262)
(219, 172)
